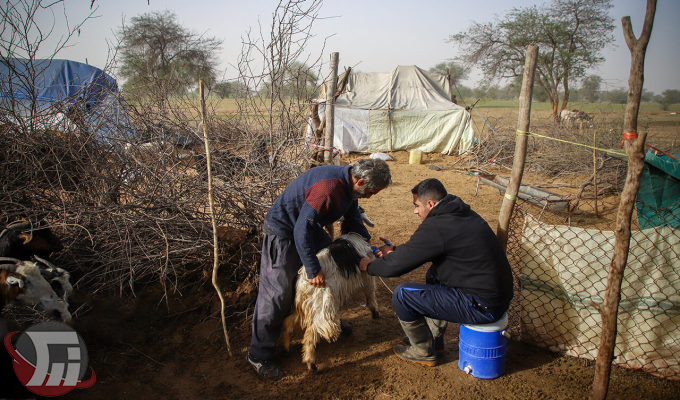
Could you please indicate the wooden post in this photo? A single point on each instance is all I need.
(634, 146)
(595, 169)
(330, 109)
(211, 200)
(523, 125)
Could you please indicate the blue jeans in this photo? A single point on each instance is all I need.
(412, 301)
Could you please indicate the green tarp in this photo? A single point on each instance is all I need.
(658, 199)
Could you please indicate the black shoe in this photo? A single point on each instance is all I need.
(266, 368)
(345, 329)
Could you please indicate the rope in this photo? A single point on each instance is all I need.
(568, 142)
(388, 288)
(320, 147)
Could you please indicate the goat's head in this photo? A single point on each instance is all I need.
(22, 239)
(11, 286)
(38, 293)
(346, 251)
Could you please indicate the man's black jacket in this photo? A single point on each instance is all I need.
(465, 253)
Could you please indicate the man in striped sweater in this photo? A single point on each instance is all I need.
(293, 234)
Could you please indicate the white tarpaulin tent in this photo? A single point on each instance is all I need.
(406, 108)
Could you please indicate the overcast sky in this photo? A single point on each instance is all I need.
(370, 35)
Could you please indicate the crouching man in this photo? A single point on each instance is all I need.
(469, 282)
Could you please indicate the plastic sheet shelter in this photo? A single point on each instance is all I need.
(404, 109)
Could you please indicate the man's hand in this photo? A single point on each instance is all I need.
(318, 281)
(363, 264)
(387, 248)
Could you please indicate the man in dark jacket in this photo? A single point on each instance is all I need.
(469, 282)
(293, 234)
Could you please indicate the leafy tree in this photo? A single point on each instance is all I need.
(570, 35)
(590, 87)
(298, 81)
(669, 97)
(455, 71)
(158, 53)
(617, 96)
(227, 90)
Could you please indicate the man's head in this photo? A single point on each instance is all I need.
(369, 176)
(425, 195)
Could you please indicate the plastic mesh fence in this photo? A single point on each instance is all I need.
(560, 261)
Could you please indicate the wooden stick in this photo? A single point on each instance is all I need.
(330, 109)
(523, 124)
(661, 151)
(595, 169)
(211, 200)
(635, 151)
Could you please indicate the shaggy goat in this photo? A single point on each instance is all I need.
(316, 310)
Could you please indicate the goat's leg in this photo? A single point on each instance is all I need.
(309, 342)
(287, 329)
(369, 289)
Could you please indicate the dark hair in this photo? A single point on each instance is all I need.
(375, 172)
(429, 189)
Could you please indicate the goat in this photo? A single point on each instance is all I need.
(58, 278)
(575, 115)
(38, 291)
(26, 238)
(316, 310)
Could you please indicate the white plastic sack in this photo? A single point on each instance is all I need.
(381, 156)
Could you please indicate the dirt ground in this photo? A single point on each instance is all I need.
(145, 348)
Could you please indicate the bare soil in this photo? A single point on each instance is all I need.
(150, 348)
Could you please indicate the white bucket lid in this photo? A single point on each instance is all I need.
(492, 327)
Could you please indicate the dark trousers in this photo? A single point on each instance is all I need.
(412, 301)
(279, 268)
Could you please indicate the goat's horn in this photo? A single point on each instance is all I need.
(9, 267)
(10, 259)
(21, 225)
(43, 261)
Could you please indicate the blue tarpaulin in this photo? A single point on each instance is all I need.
(50, 82)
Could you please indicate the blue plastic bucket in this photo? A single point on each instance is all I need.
(482, 349)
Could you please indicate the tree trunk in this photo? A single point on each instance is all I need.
(523, 125)
(634, 146)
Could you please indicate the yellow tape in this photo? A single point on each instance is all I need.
(566, 141)
(509, 197)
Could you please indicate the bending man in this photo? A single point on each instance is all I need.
(469, 282)
(293, 234)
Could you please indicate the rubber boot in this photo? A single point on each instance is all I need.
(437, 328)
(420, 351)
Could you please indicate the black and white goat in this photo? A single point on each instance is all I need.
(317, 310)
